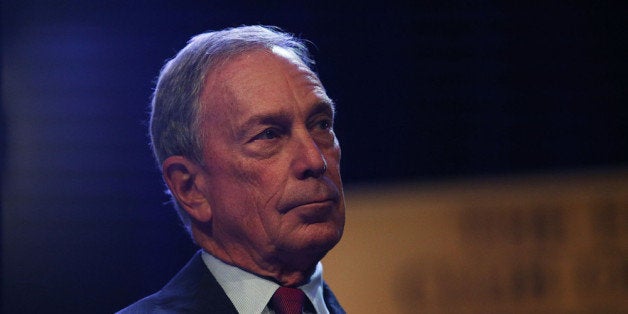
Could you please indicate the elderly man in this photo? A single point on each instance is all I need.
(243, 131)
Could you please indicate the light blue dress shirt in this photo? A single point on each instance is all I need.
(250, 294)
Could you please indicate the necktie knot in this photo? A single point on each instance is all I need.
(288, 301)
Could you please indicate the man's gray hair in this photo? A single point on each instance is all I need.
(175, 107)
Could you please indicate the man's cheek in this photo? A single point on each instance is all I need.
(251, 178)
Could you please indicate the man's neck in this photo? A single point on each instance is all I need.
(287, 271)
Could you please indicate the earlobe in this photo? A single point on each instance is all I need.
(185, 179)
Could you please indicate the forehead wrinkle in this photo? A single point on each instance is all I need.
(216, 97)
(305, 88)
(298, 72)
(301, 78)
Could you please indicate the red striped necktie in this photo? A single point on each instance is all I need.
(288, 300)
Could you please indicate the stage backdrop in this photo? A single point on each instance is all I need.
(553, 243)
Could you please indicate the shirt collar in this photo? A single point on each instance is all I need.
(250, 293)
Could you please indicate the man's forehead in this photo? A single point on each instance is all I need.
(253, 68)
(274, 56)
(262, 84)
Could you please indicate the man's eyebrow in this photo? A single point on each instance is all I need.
(267, 118)
(327, 107)
(281, 118)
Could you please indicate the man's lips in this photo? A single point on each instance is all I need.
(329, 200)
(314, 212)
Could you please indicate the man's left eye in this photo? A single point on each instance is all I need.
(267, 134)
(324, 124)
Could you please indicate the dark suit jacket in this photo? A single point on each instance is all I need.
(195, 290)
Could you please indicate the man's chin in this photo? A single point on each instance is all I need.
(315, 239)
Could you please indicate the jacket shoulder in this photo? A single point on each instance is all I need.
(194, 289)
(330, 300)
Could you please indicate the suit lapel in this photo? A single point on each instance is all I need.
(330, 300)
(197, 290)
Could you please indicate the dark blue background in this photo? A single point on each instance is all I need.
(424, 91)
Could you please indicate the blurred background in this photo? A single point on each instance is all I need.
(485, 151)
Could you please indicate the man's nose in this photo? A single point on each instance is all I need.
(309, 160)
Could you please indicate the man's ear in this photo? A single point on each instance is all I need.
(185, 180)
